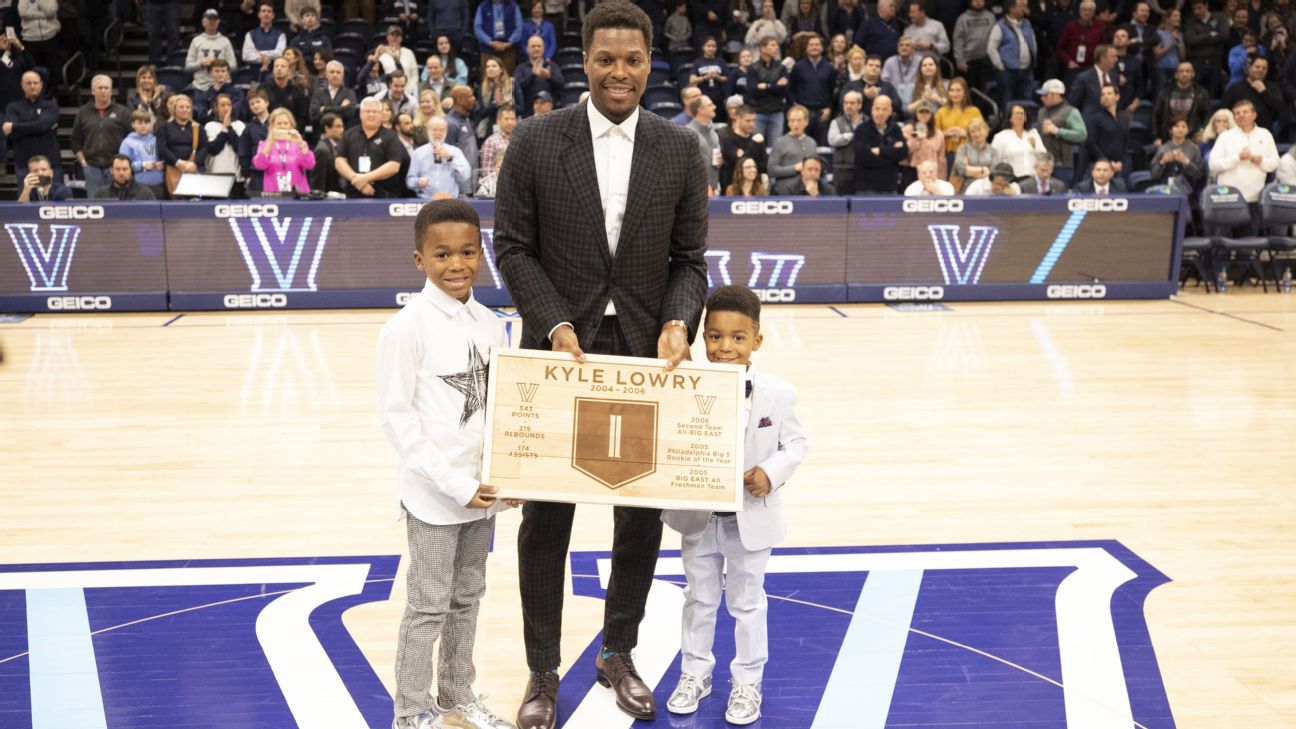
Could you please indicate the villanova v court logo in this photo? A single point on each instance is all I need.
(983, 636)
(47, 265)
(281, 253)
(960, 263)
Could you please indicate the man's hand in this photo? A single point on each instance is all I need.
(565, 340)
(672, 345)
(483, 498)
(782, 82)
(825, 114)
(871, 92)
(31, 181)
(756, 482)
(422, 182)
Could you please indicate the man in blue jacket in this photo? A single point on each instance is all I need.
(498, 28)
(879, 34)
(811, 85)
(31, 126)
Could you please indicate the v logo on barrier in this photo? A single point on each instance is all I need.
(964, 262)
(47, 266)
(279, 259)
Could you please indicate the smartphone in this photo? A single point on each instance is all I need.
(45, 180)
(10, 33)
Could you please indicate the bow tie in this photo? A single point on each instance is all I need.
(748, 382)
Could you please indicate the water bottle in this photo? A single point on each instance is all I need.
(1221, 279)
(1286, 285)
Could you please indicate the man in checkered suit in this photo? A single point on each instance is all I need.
(600, 234)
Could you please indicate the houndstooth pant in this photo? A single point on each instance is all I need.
(445, 582)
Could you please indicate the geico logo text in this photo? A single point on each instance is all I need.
(405, 297)
(1098, 204)
(934, 205)
(403, 210)
(71, 212)
(776, 295)
(255, 301)
(913, 293)
(255, 210)
(78, 303)
(1081, 291)
(761, 207)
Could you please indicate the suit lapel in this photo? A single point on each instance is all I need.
(645, 166)
(583, 176)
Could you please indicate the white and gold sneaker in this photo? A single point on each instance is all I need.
(744, 703)
(688, 692)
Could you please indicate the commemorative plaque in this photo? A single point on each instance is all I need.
(614, 430)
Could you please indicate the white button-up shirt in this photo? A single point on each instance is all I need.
(431, 372)
(1249, 176)
(613, 153)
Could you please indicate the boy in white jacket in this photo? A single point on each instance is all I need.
(729, 551)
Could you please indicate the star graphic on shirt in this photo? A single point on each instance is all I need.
(471, 383)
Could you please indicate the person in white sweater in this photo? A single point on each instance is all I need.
(205, 48)
(928, 182)
(1287, 167)
(1019, 142)
(1244, 156)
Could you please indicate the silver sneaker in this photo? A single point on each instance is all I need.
(472, 716)
(688, 692)
(426, 720)
(744, 703)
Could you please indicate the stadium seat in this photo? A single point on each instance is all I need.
(666, 109)
(565, 56)
(659, 76)
(1278, 215)
(348, 58)
(246, 74)
(352, 40)
(572, 91)
(1140, 180)
(1224, 208)
(174, 77)
(682, 56)
(658, 93)
(574, 72)
(356, 26)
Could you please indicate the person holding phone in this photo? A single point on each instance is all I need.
(39, 184)
(284, 157)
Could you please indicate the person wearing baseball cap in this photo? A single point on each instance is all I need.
(543, 103)
(1061, 128)
(205, 48)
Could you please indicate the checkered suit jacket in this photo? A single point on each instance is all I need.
(551, 245)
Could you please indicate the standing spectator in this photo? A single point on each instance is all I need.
(789, 150)
(31, 126)
(537, 74)
(40, 30)
(1241, 24)
(852, 70)
(1079, 41)
(879, 35)
(393, 56)
(1130, 72)
(901, 70)
(928, 182)
(334, 98)
(456, 71)
(1266, 97)
(736, 76)
(1239, 54)
(438, 169)
(1042, 182)
(1012, 51)
(766, 26)
(163, 17)
(283, 157)
(556, 13)
(1169, 51)
(844, 18)
(429, 105)
(324, 176)
(977, 158)
(954, 117)
(122, 186)
(709, 72)
(1061, 127)
(284, 94)
(678, 29)
(709, 18)
(1184, 99)
(311, 37)
(870, 85)
(841, 137)
(359, 9)
(1287, 167)
(1205, 35)
(140, 146)
(1220, 122)
(1087, 86)
(205, 48)
(398, 95)
(205, 101)
(1178, 162)
(179, 142)
(264, 43)
(704, 111)
(767, 89)
(804, 16)
(40, 184)
(809, 184)
(223, 135)
(1018, 142)
(493, 148)
(1245, 155)
(449, 19)
(747, 182)
(536, 25)
(811, 85)
(256, 130)
(370, 156)
(498, 27)
(879, 149)
(739, 141)
(1108, 131)
(929, 86)
(148, 95)
(404, 127)
(97, 134)
(459, 121)
(925, 143)
(1051, 18)
(1142, 35)
(406, 13)
(971, 42)
(497, 89)
(434, 77)
(1102, 180)
(929, 35)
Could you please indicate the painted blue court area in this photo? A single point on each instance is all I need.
(1009, 636)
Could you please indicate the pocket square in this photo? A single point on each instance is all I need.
(765, 423)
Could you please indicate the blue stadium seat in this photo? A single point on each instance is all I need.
(357, 26)
(572, 91)
(1196, 249)
(247, 74)
(174, 77)
(1140, 180)
(659, 93)
(352, 40)
(682, 56)
(666, 109)
(574, 72)
(659, 76)
(564, 56)
(1224, 208)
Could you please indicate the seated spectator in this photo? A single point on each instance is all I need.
(999, 183)
(31, 125)
(97, 134)
(879, 34)
(1178, 162)
(122, 186)
(1184, 99)
(39, 184)
(497, 89)
(925, 143)
(536, 25)
(490, 178)
(703, 113)
(1241, 54)
(767, 25)
(310, 37)
(1108, 135)
(1102, 180)
(438, 169)
(370, 82)
(789, 151)
(398, 95)
(1287, 167)
(841, 137)
(901, 70)
(392, 55)
(870, 84)
(739, 141)
(498, 28)
(370, 156)
(1266, 97)
(953, 118)
(179, 143)
(205, 101)
(283, 157)
(879, 148)
(283, 93)
(140, 147)
(538, 73)
(1220, 122)
(223, 136)
(456, 71)
(1042, 182)
(255, 131)
(333, 97)
(976, 159)
(205, 48)
(492, 149)
(747, 181)
(928, 182)
(324, 176)
(264, 43)
(1061, 127)
(1245, 155)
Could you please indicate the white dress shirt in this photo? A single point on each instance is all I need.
(1249, 176)
(431, 372)
(613, 153)
(916, 188)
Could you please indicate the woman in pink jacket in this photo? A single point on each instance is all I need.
(284, 155)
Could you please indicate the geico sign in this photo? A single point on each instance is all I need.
(776, 295)
(913, 293)
(405, 297)
(255, 210)
(1098, 204)
(403, 210)
(1082, 291)
(255, 301)
(71, 212)
(932, 205)
(78, 303)
(761, 207)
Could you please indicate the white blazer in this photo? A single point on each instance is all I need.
(774, 441)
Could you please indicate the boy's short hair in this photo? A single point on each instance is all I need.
(259, 93)
(738, 299)
(141, 115)
(219, 63)
(328, 120)
(443, 211)
(616, 14)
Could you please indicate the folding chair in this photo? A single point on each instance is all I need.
(1224, 208)
(1278, 215)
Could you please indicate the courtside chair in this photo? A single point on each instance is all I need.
(1224, 208)
(1196, 253)
(1278, 215)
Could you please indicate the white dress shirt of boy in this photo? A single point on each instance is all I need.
(431, 372)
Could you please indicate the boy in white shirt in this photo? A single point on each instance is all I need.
(431, 369)
(726, 550)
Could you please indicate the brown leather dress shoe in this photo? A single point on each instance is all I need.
(539, 709)
(632, 695)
